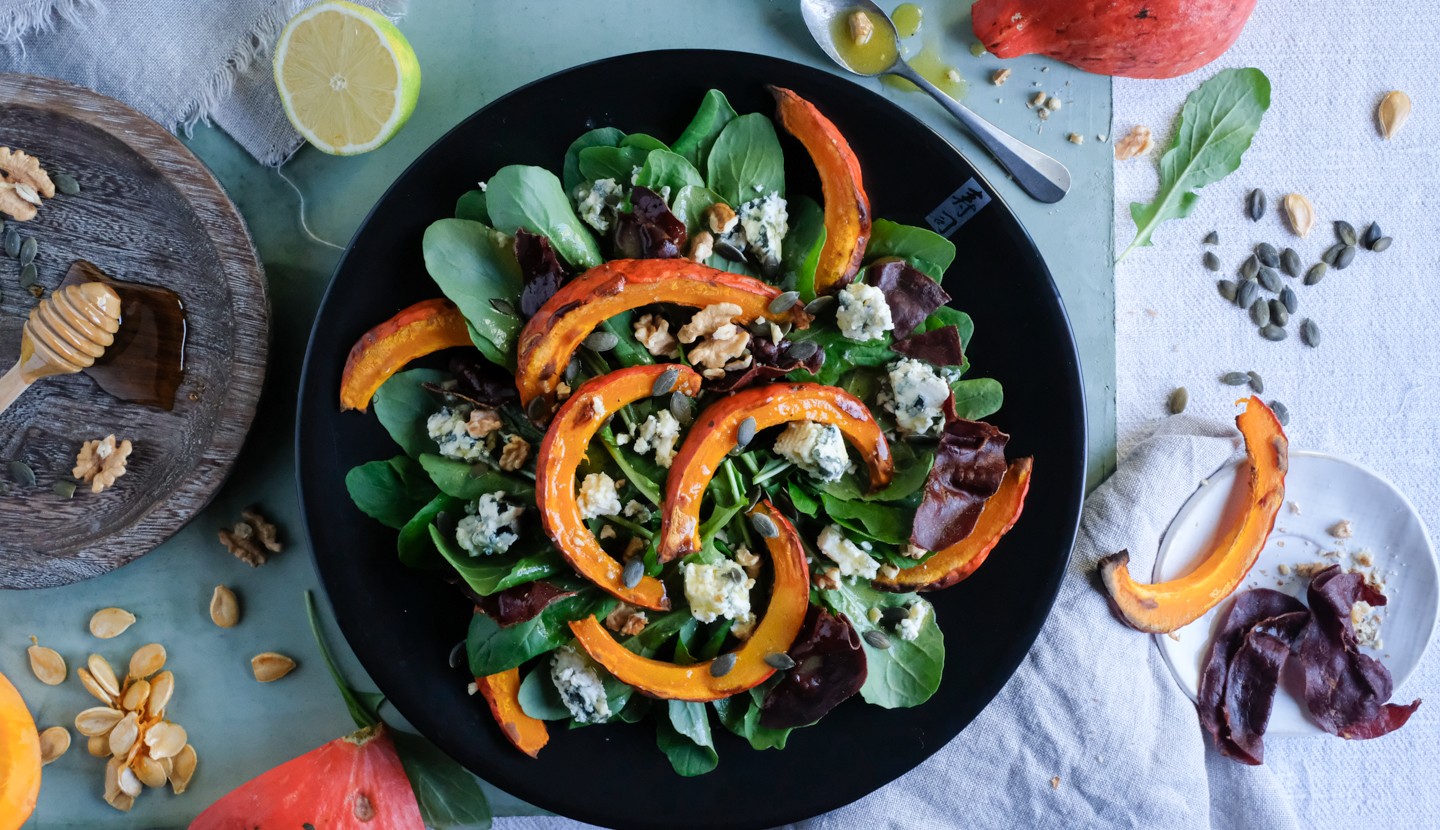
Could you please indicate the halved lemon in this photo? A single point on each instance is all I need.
(347, 78)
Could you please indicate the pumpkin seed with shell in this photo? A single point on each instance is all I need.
(764, 525)
(1332, 253)
(29, 249)
(1347, 256)
(682, 407)
(1273, 333)
(820, 305)
(1266, 253)
(165, 739)
(97, 720)
(136, 695)
(1316, 273)
(1227, 289)
(745, 433)
(46, 663)
(665, 382)
(803, 350)
(270, 666)
(779, 660)
(1310, 333)
(1345, 232)
(1250, 268)
(721, 666)
(182, 768)
(12, 243)
(108, 623)
(877, 639)
(1381, 244)
(147, 660)
(1211, 261)
(150, 772)
(161, 690)
(1178, 400)
(130, 782)
(1289, 299)
(1393, 112)
(633, 572)
(22, 473)
(54, 742)
(65, 183)
(98, 746)
(88, 681)
(1257, 383)
(1212, 238)
(1260, 315)
(1270, 279)
(104, 675)
(784, 302)
(1235, 378)
(125, 734)
(1279, 314)
(1300, 214)
(1282, 413)
(1255, 205)
(1371, 234)
(602, 341)
(1290, 262)
(224, 607)
(29, 275)
(1246, 294)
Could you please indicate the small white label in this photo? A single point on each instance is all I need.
(957, 208)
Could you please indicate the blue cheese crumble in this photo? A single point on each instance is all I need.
(914, 618)
(818, 449)
(862, 312)
(597, 202)
(598, 497)
(764, 223)
(449, 428)
(852, 560)
(491, 527)
(917, 396)
(659, 432)
(579, 685)
(719, 590)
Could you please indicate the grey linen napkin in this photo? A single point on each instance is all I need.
(1092, 730)
(178, 61)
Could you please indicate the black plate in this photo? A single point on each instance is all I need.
(402, 624)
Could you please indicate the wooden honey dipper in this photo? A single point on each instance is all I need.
(65, 334)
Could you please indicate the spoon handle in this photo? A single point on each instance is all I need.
(12, 385)
(1041, 176)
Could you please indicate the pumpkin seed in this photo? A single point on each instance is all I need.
(1245, 294)
(503, 306)
(270, 666)
(745, 433)
(1260, 314)
(1393, 112)
(1270, 278)
(136, 695)
(124, 735)
(27, 193)
(538, 410)
(602, 341)
(1381, 244)
(764, 525)
(165, 740)
(1332, 253)
(224, 607)
(97, 721)
(1290, 262)
(802, 350)
(1211, 261)
(682, 407)
(634, 571)
(572, 370)
(147, 660)
(47, 664)
(1345, 232)
(28, 249)
(1250, 267)
(728, 250)
(54, 742)
(1257, 383)
(1282, 413)
(1178, 400)
(1371, 234)
(130, 782)
(784, 302)
(1255, 205)
(1310, 333)
(22, 473)
(721, 666)
(88, 681)
(1316, 273)
(1273, 333)
(64, 489)
(162, 688)
(65, 183)
(183, 768)
(1300, 213)
(1289, 299)
(665, 382)
(1212, 238)
(28, 275)
(1279, 314)
(1227, 289)
(150, 771)
(445, 523)
(108, 623)
(1346, 257)
(104, 676)
(1235, 378)
(12, 243)
(1266, 253)
(98, 746)
(877, 639)
(820, 305)
(779, 660)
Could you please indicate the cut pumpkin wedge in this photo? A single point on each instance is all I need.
(423, 328)
(1166, 606)
(502, 692)
(19, 758)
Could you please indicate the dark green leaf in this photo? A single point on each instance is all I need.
(741, 715)
(538, 696)
(947, 316)
(926, 250)
(471, 481)
(645, 142)
(629, 351)
(664, 169)
(907, 673)
(800, 255)
(390, 492)
(598, 137)
(746, 161)
(493, 649)
(523, 196)
(488, 575)
(887, 523)
(616, 163)
(804, 500)
(684, 737)
(414, 545)
(699, 136)
(450, 797)
(403, 407)
(474, 264)
(471, 206)
(1216, 126)
(911, 470)
(977, 398)
(690, 205)
(630, 466)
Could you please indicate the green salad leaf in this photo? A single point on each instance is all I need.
(494, 649)
(471, 206)
(746, 161)
(947, 316)
(882, 522)
(977, 398)
(908, 672)
(488, 575)
(414, 545)
(570, 174)
(923, 248)
(473, 265)
(523, 196)
(690, 205)
(390, 492)
(538, 696)
(664, 168)
(616, 163)
(1216, 126)
(699, 136)
(403, 407)
(741, 715)
(448, 795)
(912, 468)
(800, 254)
(467, 482)
(684, 737)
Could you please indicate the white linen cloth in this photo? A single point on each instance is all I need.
(1371, 392)
(177, 61)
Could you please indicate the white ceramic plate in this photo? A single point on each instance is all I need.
(1320, 490)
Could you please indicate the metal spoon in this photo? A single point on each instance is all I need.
(1037, 174)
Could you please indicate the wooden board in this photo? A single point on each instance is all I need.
(149, 212)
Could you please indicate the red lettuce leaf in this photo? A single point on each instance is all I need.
(938, 347)
(649, 230)
(1246, 611)
(911, 294)
(830, 667)
(541, 269)
(521, 603)
(1254, 674)
(969, 465)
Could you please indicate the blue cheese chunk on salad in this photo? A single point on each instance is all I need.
(449, 429)
(597, 202)
(719, 590)
(914, 618)
(598, 496)
(850, 557)
(862, 312)
(917, 396)
(491, 526)
(579, 685)
(660, 432)
(764, 222)
(818, 449)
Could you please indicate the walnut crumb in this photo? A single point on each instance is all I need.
(1000, 77)
(1364, 558)
(1055, 783)
(1075, 138)
(626, 620)
(1038, 99)
(1342, 529)
(482, 422)
(828, 579)
(607, 532)
(1137, 142)
(23, 183)
(101, 462)
(514, 454)
(1282, 569)
(252, 539)
(1053, 103)
(861, 29)
(653, 332)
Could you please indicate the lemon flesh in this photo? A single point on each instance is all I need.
(347, 78)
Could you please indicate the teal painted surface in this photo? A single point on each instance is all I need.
(471, 53)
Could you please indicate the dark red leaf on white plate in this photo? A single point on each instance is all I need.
(1250, 684)
(1245, 610)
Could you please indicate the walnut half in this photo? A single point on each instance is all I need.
(23, 183)
(101, 462)
(252, 539)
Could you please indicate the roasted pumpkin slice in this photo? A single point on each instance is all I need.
(789, 600)
(502, 692)
(561, 453)
(1166, 606)
(423, 328)
(956, 562)
(19, 758)
(716, 432)
(555, 332)
(847, 208)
